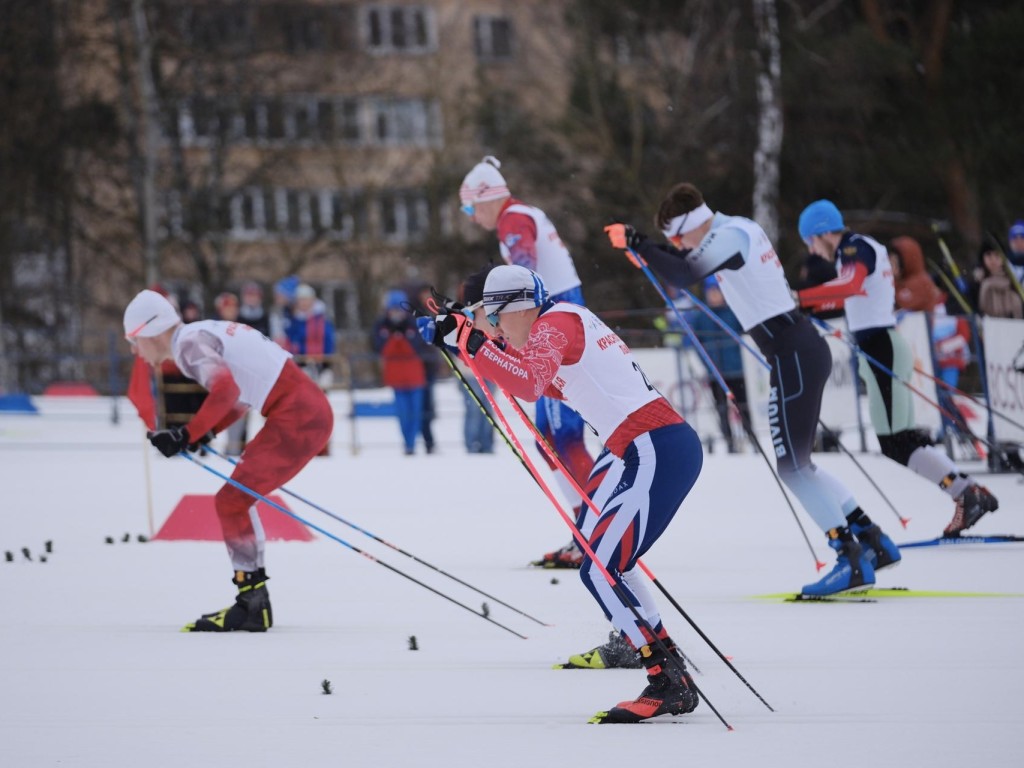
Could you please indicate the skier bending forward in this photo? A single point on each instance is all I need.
(650, 461)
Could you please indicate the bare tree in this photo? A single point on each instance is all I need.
(769, 119)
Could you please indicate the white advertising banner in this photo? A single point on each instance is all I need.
(1004, 369)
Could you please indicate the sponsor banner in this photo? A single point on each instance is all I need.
(1004, 361)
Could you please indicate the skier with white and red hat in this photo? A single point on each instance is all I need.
(242, 369)
(526, 237)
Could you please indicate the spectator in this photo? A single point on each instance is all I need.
(1016, 254)
(915, 290)
(997, 296)
(251, 311)
(311, 336)
(311, 339)
(724, 352)
(280, 318)
(477, 425)
(225, 307)
(431, 362)
(397, 341)
(190, 312)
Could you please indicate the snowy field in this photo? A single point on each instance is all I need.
(94, 671)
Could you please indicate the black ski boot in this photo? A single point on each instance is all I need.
(250, 613)
(975, 501)
(617, 652)
(670, 691)
(879, 549)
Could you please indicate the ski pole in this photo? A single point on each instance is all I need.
(707, 310)
(576, 533)
(516, 453)
(953, 390)
(647, 571)
(990, 429)
(387, 543)
(341, 541)
(882, 367)
(904, 521)
(818, 564)
(555, 459)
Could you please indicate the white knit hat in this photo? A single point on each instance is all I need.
(149, 314)
(511, 288)
(484, 182)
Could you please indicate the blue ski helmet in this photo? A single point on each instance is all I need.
(820, 217)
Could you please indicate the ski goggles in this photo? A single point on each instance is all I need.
(132, 336)
(522, 293)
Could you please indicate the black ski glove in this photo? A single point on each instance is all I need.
(173, 441)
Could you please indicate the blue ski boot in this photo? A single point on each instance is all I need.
(878, 548)
(852, 571)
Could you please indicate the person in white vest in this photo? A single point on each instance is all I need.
(866, 291)
(738, 253)
(527, 237)
(650, 461)
(241, 369)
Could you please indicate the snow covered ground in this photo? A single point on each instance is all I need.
(94, 671)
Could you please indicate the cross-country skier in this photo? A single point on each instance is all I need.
(241, 368)
(650, 461)
(528, 238)
(737, 251)
(864, 288)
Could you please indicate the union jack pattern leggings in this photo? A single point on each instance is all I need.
(638, 496)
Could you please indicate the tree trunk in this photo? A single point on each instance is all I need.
(769, 119)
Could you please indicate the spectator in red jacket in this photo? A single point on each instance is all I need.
(399, 345)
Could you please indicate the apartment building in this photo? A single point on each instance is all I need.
(329, 136)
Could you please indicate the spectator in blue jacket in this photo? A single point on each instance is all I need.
(725, 354)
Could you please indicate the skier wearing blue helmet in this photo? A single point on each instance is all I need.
(866, 292)
(820, 217)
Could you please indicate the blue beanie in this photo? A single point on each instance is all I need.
(287, 286)
(395, 299)
(710, 282)
(1017, 230)
(820, 217)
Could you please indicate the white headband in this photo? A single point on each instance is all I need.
(688, 221)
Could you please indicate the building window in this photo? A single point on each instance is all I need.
(247, 220)
(218, 25)
(402, 121)
(302, 120)
(346, 122)
(404, 215)
(398, 29)
(492, 38)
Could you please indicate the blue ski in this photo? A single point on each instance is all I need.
(943, 541)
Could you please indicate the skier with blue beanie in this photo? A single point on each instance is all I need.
(820, 217)
(866, 292)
